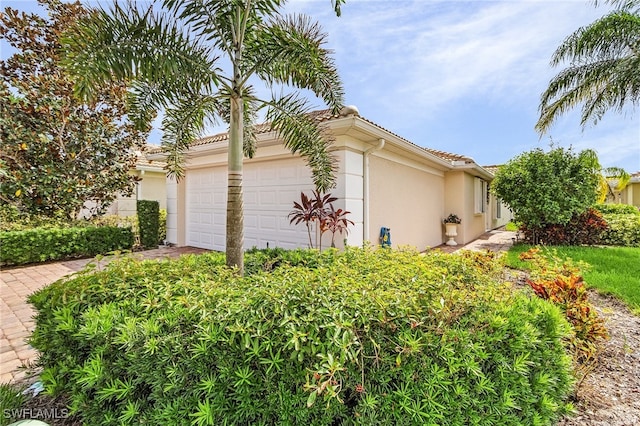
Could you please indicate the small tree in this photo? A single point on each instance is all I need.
(335, 221)
(305, 211)
(543, 188)
(57, 152)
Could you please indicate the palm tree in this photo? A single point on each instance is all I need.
(170, 59)
(613, 180)
(603, 71)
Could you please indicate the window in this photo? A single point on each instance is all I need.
(480, 195)
(498, 208)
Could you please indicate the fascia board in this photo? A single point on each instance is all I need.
(357, 127)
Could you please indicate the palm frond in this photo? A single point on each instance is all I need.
(126, 44)
(611, 36)
(604, 59)
(631, 5)
(182, 124)
(289, 116)
(289, 50)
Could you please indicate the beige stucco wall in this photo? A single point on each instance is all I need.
(505, 214)
(460, 200)
(631, 194)
(153, 187)
(407, 200)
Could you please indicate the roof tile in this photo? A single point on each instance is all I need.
(323, 116)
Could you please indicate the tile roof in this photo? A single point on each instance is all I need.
(141, 161)
(324, 116)
(492, 169)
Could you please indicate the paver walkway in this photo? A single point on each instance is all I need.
(16, 315)
(16, 284)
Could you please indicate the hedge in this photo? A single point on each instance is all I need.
(622, 230)
(42, 244)
(359, 337)
(617, 209)
(149, 223)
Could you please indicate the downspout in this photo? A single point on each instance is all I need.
(365, 187)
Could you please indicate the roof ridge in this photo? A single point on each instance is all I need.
(324, 115)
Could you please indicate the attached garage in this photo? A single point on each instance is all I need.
(383, 180)
(270, 188)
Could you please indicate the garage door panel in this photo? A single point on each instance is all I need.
(268, 198)
(270, 188)
(268, 223)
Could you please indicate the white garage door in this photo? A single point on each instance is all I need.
(270, 188)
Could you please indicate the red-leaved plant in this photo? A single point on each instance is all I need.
(559, 281)
(335, 221)
(319, 208)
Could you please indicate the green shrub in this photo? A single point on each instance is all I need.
(512, 226)
(623, 230)
(162, 230)
(148, 221)
(42, 244)
(121, 222)
(11, 401)
(617, 209)
(359, 337)
(12, 219)
(583, 229)
(266, 260)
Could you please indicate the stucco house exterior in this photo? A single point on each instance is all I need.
(152, 185)
(383, 179)
(631, 193)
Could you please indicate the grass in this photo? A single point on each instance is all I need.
(511, 226)
(612, 270)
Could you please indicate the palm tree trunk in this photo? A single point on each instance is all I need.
(235, 211)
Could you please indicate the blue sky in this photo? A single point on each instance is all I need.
(463, 76)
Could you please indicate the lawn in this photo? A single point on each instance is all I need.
(613, 270)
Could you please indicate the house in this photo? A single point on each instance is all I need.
(383, 179)
(500, 212)
(631, 193)
(152, 185)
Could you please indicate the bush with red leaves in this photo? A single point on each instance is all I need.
(583, 229)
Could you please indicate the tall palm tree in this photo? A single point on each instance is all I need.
(603, 71)
(172, 57)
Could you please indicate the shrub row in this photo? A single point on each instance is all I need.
(149, 223)
(12, 219)
(358, 337)
(622, 230)
(42, 244)
(617, 209)
(583, 229)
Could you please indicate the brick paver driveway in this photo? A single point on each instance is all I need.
(16, 315)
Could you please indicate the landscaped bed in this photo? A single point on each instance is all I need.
(360, 337)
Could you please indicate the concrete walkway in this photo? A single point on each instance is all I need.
(496, 240)
(16, 315)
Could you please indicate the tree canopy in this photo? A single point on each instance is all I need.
(602, 73)
(58, 152)
(543, 188)
(198, 61)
